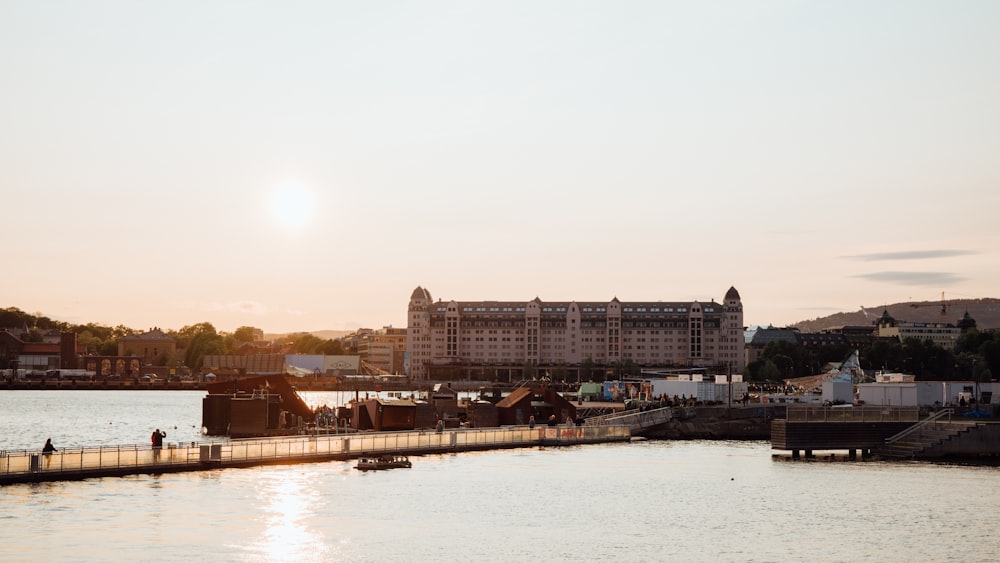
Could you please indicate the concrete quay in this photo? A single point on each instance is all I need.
(31, 466)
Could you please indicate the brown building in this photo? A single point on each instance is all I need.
(379, 415)
(540, 402)
(148, 346)
(52, 353)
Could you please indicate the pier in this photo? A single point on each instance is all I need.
(885, 432)
(807, 429)
(32, 466)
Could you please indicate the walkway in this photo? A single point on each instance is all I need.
(28, 466)
(637, 421)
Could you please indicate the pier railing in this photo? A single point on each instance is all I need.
(69, 463)
(852, 414)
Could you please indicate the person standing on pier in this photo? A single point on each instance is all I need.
(47, 450)
(157, 439)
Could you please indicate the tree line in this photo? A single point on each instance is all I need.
(975, 357)
(194, 342)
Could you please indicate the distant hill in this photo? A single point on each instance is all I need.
(985, 311)
(322, 334)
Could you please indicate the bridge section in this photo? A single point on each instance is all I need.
(637, 421)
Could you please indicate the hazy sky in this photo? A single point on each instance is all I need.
(305, 165)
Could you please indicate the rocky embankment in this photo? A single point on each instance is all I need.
(717, 423)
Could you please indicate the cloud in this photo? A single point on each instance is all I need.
(932, 279)
(247, 307)
(911, 255)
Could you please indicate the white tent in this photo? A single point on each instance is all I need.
(297, 371)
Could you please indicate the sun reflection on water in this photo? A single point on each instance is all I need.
(286, 511)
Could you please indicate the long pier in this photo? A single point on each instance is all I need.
(32, 466)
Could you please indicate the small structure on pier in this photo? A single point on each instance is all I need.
(400, 414)
(540, 402)
(482, 414)
(445, 401)
(256, 406)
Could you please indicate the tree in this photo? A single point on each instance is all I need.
(244, 334)
(331, 348)
(990, 352)
(307, 344)
(882, 355)
(790, 358)
(199, 340)
(769, 372)
(108, 348)
(89, 342)
(186, 334)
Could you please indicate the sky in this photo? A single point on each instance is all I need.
(303, 166)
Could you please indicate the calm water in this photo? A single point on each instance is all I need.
(645, 501)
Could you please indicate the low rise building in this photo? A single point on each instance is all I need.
(943, 334)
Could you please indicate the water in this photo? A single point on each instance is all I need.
(104, 418)
(645, 501)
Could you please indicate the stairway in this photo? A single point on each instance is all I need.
(911, 444)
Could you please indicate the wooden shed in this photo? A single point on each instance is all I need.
(379, 415)
(540, 402)
(445, 401)
(482, 414)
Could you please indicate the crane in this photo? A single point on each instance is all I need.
(944, 308)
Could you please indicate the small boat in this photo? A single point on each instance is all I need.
(383, 462)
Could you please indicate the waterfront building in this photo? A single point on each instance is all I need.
(55, 350)
(764, 336)
(381, 349)
(503, 339)
(149, 346)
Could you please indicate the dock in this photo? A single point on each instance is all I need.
(32, 466)
(885, 432)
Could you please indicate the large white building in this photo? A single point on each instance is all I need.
(506, 335)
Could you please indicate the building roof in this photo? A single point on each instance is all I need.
(586, 307)
(763, 336)
(516, 396)
(886, 318)
(967, 322)
(154, 335)
(732, 294)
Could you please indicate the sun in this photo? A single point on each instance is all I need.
(292, 206)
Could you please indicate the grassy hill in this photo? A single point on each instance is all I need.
(986, 313)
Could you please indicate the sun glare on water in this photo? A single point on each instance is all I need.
(292, 206)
